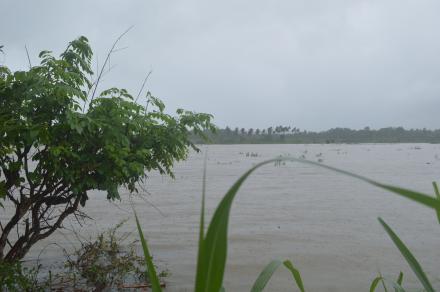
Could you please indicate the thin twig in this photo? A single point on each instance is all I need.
(107, 59)
(148, 202)
(29, 59)
(142, 87)
(120, 49)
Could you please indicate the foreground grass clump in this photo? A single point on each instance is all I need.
(104, 263)
(15, 277)
(212, 250)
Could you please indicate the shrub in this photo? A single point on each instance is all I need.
(58, 141)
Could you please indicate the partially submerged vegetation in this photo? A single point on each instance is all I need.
(108, 261)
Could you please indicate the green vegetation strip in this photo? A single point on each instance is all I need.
(152, 275)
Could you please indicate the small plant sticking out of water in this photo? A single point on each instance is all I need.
(280, 162)
(15, 277)
(104, 263)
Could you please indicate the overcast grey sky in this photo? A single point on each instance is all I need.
(310, 64)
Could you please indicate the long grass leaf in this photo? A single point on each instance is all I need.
(412, 195)
(374, 283)
(265, 275)
(295, 273)
(419, 197)
(437, 194)
(398, 284)
(397, 287)
(200, 254)
(383, 283)
(155, 284)
(412, 261)
(400, 279)
(215, 243)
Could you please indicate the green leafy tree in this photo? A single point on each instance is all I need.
(58, 142)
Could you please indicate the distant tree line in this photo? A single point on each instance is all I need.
(294, 135)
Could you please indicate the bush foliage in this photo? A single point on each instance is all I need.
(58, 142)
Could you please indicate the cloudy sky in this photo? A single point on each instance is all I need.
(310, 64)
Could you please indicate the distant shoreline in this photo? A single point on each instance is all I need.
(360, 143)
(288, 135)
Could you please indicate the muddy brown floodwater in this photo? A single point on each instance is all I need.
(324, 222)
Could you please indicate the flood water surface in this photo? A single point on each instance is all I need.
(324, 222)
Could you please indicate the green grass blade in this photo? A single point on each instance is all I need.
(419, 197)
(374, 283)
(437, 194)
(383, 283)
(397, 287)
(295, 273)
(211, 270)
(412, 195)
(202, 224)
(398, 284)
(155, 284)
(400, 279)
(412, 261)
(265, 275)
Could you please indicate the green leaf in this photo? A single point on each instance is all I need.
(155, 284)
(2, 189)
(397, 287)
(265, 275)
(374, 283)
(412, 261)
(295, 273)
(202, 222)
(383, 282)
(437, 194)
(156, 102)
(211, 270)
(268, 271)
(419, 197)
(400, 279)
